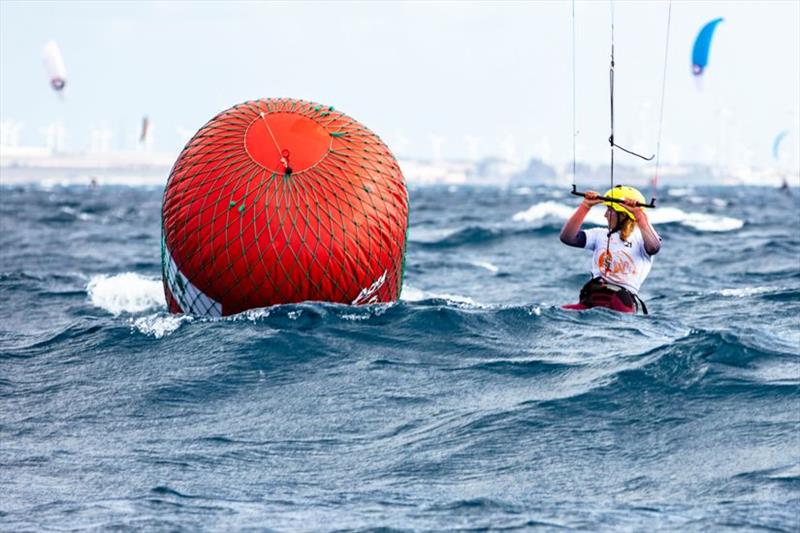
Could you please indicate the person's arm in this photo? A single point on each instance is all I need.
(652, 242)
(571, 233)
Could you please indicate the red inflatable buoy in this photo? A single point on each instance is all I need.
(280, 201)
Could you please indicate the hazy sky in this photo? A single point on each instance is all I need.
(472, 78)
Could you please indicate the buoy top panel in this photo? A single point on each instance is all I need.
(274, 140)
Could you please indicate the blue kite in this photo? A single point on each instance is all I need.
(701, 47)
(776, 145)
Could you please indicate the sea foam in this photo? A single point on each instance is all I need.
(746, 291)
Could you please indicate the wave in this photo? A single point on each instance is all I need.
(491, 267)
(77, 331)
(558, 211)
(746, 291)
(158, 325)
(699, 221)
(767, 293)
(679, 192)
(417, 313)
(711, 364)
(475, 343)
(662, 215)
(411, 294)
(478, 235)
(433, 312)
(469, 235)
(67, 214)
(130, 293)
(430, 321)
(20, 277)
(421, 267)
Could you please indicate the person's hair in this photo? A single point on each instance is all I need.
(626, 226)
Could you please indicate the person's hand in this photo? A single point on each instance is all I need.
(591, 199)
(632, 206)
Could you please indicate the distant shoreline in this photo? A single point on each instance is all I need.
(143, 169)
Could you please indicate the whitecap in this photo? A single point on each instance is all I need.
(716, 224)
(430, 235)
(459, 300)
(680, 192)
(661, 215)
(411, 294)
(745, 291)
(125, 293)
(80, 215)
(485, 264)
(699, 221)
(158, 325)
(557, 210)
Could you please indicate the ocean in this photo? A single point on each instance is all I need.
(475, 402)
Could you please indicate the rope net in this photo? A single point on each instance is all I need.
(279, 201)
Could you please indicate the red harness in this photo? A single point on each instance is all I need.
(600, 293)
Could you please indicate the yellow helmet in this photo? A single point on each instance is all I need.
(623, 192)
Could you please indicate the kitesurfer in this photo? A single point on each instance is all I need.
(622, 254)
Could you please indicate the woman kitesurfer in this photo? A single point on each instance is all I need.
(623, 253)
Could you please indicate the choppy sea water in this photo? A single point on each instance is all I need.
(474, 402)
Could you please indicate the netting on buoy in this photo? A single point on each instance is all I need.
(280, 201)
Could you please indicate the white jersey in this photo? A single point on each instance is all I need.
(629, 263)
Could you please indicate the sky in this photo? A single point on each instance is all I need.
(441, 80)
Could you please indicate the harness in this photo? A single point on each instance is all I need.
(599, 292)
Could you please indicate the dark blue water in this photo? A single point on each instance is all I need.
(475, 402)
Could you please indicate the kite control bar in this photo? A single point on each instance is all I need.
(576, 192)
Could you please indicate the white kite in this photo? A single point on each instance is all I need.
(54, 64)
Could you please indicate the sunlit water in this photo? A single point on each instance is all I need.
(473, 402)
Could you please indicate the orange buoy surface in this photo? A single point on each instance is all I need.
(280, 201)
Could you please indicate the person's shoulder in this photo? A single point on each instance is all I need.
(593, 235)
(596, 231)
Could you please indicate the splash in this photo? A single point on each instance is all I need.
(125, 293)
